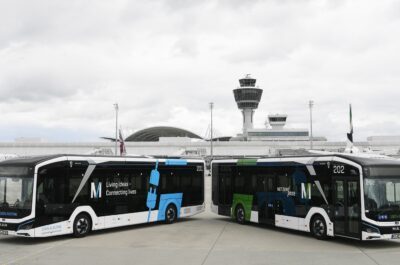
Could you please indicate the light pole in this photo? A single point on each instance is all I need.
(311, 104)
(116, 128)
(211, 140)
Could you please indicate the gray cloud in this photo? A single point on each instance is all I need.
(63, 64)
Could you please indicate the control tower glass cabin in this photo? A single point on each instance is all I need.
(247, 97)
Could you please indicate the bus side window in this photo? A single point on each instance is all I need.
(214, 180)
(39, 191)
(2, 189)
(185, 176)
(163, 183)
(238, 185)
(138, 180)
(259, 179)
(285, 180)
(53, 180)
(170, 181)
(197, 187)
(270, 183)
(323, 175)
(185, 179)
(75, 176)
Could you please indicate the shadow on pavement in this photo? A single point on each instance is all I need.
(34, 241)
(141, 226)
(14, 240)
(367, 245)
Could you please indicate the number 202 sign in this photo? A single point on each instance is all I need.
(338, 169)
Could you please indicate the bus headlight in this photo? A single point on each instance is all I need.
(26, 226)
(371, 229)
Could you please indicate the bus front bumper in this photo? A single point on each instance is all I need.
(376, 236)
(380, 231)
(22, 233)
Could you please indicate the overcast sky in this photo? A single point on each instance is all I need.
(64, 63)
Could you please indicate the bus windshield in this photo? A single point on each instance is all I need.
(382, 193)
(16, 189)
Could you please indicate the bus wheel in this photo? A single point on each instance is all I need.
(318, 227)
(240, 214)
(82, 225)
(170, 214)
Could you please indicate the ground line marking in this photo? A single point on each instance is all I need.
(371, 258)
(215, 242)
(37, 252)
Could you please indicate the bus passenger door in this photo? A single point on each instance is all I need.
(273, 204)
(268, 210)
(225, 194)
(347, 207)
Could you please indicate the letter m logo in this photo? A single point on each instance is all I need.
(95, 192)
(306, 191)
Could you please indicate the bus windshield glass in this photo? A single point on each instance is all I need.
(382, 193)
(16, 189)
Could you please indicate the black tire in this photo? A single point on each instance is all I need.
(82, 225)
(318, 227)
(171, 214)
(240, 214)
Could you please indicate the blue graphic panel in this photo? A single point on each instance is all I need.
(299, 177)
(165, 200)
(268, 198)
(176, 162)
(152, 193)
(151, 199)
(154, 177)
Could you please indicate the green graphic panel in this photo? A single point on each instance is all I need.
(247, 162)
(246, 201)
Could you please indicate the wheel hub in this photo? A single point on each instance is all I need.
(319, 228)
(171, 214)
(82, 226)
(240, 214)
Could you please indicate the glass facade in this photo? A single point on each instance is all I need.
(246, 82)
(276, 134)
(247, 97)
(277, 119)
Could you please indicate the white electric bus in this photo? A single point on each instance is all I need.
(70, 194)
(326, 195)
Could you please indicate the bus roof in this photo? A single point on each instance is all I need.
(371, 161)
(361, 160)
(34, 160)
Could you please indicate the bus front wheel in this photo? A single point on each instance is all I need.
(240, 214)
(318, 227)
(170, 214)
(82, 225)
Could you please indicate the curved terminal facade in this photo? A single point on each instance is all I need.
(153, 134)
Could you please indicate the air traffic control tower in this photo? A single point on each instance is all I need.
(247, 97)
